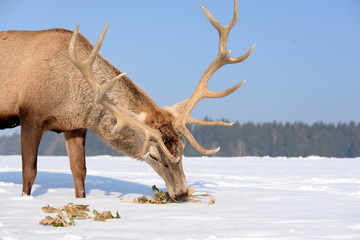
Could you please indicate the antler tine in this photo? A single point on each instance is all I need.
(209, 123)
(223, 30)
(195, 144)
(185, 108)
(123, 116)
(86, 66)
(226, 92)
(243, 57)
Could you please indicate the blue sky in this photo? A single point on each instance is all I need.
(305, 67)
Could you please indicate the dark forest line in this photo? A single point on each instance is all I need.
(248, 139)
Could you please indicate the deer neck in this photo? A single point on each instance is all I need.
(128, 140)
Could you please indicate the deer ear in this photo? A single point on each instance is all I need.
(176, 109)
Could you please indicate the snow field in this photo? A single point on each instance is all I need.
(256, 198)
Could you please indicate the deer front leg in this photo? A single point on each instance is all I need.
(31, 135)
(75, 146)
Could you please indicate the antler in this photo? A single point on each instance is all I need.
(123, 116)
(185, 108)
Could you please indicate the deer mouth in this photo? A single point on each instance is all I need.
(181, 198)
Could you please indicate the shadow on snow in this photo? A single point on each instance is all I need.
(53, 180)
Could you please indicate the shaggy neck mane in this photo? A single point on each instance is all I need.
(137, 99)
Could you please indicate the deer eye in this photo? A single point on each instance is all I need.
(153, 157)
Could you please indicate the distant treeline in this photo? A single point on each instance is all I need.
(278, 139)
(248, 139)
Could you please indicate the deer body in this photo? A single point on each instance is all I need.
(55, 80)
(44, 80)
(44, 91)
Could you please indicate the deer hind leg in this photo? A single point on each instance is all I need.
(75, 146)
(31, 135)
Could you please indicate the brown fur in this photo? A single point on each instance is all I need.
(42, 90)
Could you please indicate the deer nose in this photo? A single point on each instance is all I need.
(182, 197)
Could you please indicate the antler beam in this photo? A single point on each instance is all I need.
(185, 108)
(123, 116)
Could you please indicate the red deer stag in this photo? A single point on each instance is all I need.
(56, 80)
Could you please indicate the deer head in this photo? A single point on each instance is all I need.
(159, 133)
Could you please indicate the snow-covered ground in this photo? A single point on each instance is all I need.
(256, 198)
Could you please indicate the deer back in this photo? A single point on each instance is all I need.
(37, 77)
